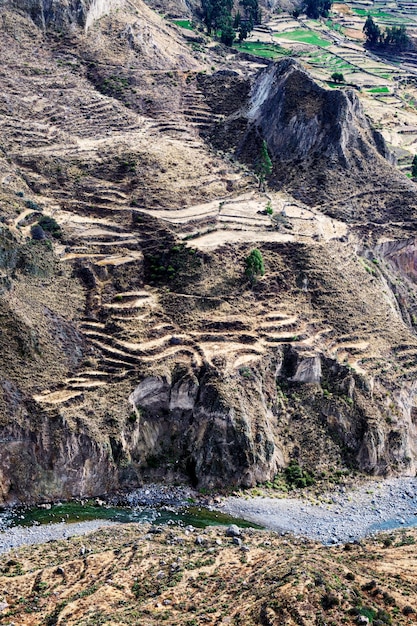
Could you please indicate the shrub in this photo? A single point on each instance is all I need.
(50, 225)
(369, 586)
(297, 477)
(254, 265)
(383, 616)
(33, 205)
(337, 77)
(329, 601)
(408, 610)
(37, 232)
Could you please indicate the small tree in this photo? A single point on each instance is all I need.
(254, 265)
(414, 167)
(372, 31)
(237, 20)
(243, 31)
(396, 37)
(227, 32)
(263, 165)
(337, 77)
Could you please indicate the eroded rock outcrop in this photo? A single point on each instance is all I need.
(45, 458)
(321, 143)
(210, 432)
(301, 120)
(61, 14)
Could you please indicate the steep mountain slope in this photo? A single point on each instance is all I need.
(324, 150)
(132, 345)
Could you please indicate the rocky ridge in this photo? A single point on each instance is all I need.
(322, 145)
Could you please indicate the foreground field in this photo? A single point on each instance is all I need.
(189, 577)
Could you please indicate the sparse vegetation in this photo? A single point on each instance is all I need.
(50, 225)
(254, 265)
(297, 477)
(263, 165)
(142, 569)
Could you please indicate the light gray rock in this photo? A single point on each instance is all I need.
(233, 531)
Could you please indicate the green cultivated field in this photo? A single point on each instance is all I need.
(265, 50)
(304, 36)
(378, 90)
(381, 16)
(329, 61)
(184, 24)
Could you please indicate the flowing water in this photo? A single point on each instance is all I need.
(71, 512)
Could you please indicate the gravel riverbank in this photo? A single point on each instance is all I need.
(343, 516)
(18, 536)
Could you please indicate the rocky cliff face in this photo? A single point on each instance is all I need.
(322, 146)
(301, 121)
(61, 14)
(249, 425)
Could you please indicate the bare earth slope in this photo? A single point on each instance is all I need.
(132, 345)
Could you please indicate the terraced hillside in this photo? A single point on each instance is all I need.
(133, 344)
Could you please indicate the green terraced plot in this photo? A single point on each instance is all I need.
(334, 26)
(373, 13)
(330, 62)
(184, 24)
(304, 36)
(265, 50)
(378, 90)
(381, 15)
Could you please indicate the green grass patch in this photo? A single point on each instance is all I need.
(334, 26)
(330, 62)
(184, 24)
(373, 13)
(265, 50)
(378, 90)
(382, 16)
(304, 36)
